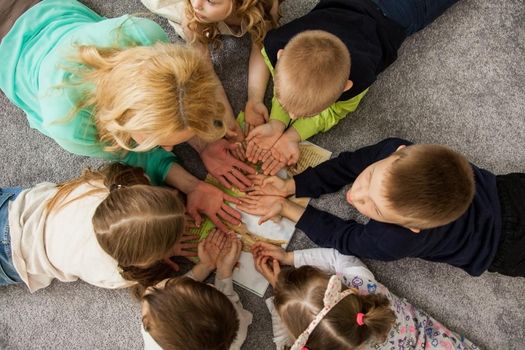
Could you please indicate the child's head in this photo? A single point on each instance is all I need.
(136, 224)
(185, 314)
(300, 296)
(311, 73)
(418, 187)
(158, 95)
(204, 15)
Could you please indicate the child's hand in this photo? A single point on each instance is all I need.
(271, 186)
(271, 165)
(267, 267)
(224, 167)
(267, 207)
(229, 256)
(234, 133)
(208, 199)
(273, 251)
(255, 114)
(185, 246)
(285, 150)
(210, 248)
(262, 138)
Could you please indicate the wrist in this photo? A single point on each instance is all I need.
(292, 211)
(289, 187)
(292, 135)
(277, 125)
(289, 259)
(202, 270)
(223, 273)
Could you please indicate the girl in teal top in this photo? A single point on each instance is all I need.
(114, 89)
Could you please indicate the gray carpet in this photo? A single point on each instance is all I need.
(459, 82)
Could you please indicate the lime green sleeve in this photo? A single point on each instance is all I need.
(277, 112)
(324, 121)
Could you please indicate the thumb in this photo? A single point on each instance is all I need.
(195, 216)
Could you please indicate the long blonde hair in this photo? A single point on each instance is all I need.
(255, 16)
(153, 90)
(136, 224)
(299, 297)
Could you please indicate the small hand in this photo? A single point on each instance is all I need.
(208, 199)
(268, 186)
(285, 152)
(266, 207)
(224, 167)
(255, 114)
(273, 251)
(210, 248)
(229, 256)
(234, 133)
(261, 139)
(267, 267)
(186, 246)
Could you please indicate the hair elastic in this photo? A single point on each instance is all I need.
(332, 296)
(114, 187)
(360, 319)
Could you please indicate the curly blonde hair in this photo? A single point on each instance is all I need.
(153, 90)
(255, 15)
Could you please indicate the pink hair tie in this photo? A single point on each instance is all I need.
(304, 348)
(360, 319)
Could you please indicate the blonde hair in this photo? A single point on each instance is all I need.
(255, 16)
(311, 73)
(155, 90)
(299, 297)
(136, 224)
(214, 323)
(429, 185)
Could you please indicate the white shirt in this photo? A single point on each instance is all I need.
(60, 245)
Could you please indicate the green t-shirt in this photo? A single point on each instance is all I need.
(309, 126)
(34, 54)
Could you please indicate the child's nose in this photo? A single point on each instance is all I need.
(197, 4)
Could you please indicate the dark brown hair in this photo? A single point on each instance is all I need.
(429, 185)
(311, 72)
(299, 297)
(189, 315)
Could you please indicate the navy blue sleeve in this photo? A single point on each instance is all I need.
(337, 172)
(351, 238)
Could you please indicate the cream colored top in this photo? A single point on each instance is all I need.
(245, 317)
(174, 11)
(61, 245)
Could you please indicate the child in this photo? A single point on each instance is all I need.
(109, 228)
(184, 313)
(331, 301)
(423, 201)
(202, 22)
(353, 41)
(70, 70)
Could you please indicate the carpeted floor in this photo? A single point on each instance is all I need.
(459, 82)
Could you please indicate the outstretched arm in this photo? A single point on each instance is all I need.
(256, 112)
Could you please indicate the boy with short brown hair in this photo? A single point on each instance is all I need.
(423, 201)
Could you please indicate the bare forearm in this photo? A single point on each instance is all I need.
(292, 211)
(179, 178)
(258, 75)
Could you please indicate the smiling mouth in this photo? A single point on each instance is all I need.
(199, 17)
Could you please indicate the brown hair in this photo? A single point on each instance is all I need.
(136, 224)
(255, 15)
(429, 185)
(311, 73)
(214, 322)
(154, 90)
(299, 297)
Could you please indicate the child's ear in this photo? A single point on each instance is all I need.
(348, 85)
(279, 53)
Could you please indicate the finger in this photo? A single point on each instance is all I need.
(227, 217)
(188, 253)
(241, 177)
(256, 179)
(224, 181)
(266, 156)
(231, 178)
(188, 237)
(243, 166)
(265, 218)
(251, 147)
(275, 169)
(257, 153)
(294, 158)
(197, 218)
(231, 199)
(231, 211)
(239, 153)
(276, 267)
(249, 200)
(220, 225)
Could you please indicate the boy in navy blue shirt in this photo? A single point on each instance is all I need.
(423, 201)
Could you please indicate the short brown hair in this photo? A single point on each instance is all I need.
(311, 73)
(299, 297)
(429, 185)
(214, 322)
